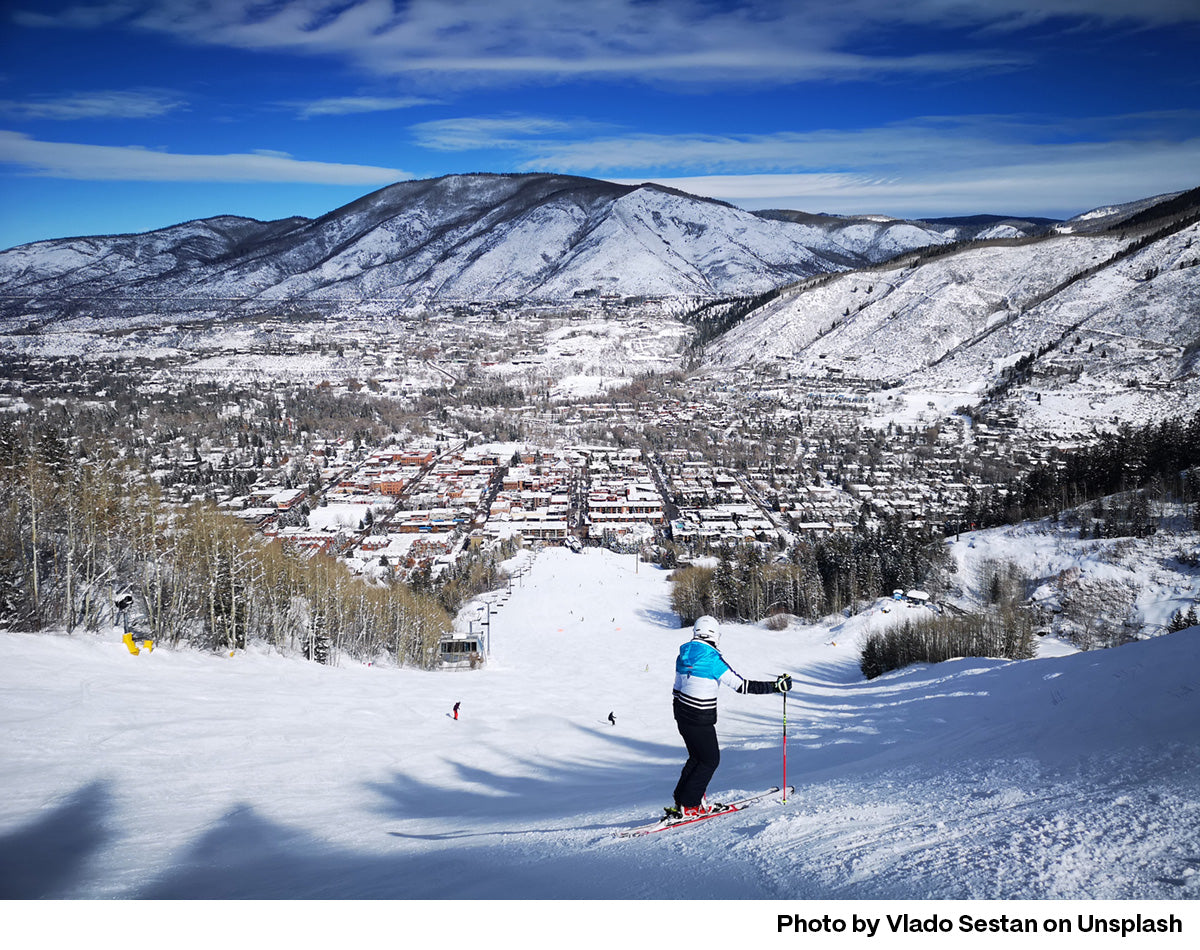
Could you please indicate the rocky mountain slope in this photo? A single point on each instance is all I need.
(1105, 310)
(462, 238)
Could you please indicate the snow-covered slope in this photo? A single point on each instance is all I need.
(870, 238)
(88, 265)
(1115, 313)
(184, 775)
(485, 238)
(1109, 216)
(983, 227)
(889, 320)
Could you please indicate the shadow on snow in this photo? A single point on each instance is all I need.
(49, 856)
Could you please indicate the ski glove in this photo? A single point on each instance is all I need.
(783, 683)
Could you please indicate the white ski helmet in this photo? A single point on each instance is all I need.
(708, 630)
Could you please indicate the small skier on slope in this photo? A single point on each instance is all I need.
(699, 670)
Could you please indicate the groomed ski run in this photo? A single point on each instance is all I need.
(178, 774)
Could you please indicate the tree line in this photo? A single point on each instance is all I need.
(1159, 458)
(1007, 634)
(80, 528)
(815, 578)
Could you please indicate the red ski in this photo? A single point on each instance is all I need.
(727, 808)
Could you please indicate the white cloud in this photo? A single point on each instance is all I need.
(495, 132)
(134, 163)
(924, 166)
(929, 144)
(1062, 183)
(358, 105)
(681, 41)
(93, 105)
(999, 14)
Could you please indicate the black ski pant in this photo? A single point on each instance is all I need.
(704, 755)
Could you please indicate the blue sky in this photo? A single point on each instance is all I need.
(123, 115)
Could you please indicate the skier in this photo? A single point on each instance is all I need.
(456, 705)
(699, 669)
(612, 719)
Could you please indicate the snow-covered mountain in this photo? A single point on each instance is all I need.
(877, 238)
(983, 227)
(1103, 307)
(459, 238)
(1128, 213)
(1116, 310)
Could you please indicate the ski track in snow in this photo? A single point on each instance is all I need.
(177, 774)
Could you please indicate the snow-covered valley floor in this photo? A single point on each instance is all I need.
(176, 774)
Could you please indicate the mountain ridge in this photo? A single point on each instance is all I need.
(1108, 299)
(1113, 311)
(479, 237)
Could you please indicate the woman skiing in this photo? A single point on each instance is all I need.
(699, 670)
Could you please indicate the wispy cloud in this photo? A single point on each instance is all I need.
(359, 105)
(998, 15)
(134, 163)
(927, 165)
(931, 143)
(1062, 182)
(94, 105)
(678, 41)
(510, 132)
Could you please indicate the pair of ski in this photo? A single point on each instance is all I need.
(727, 808)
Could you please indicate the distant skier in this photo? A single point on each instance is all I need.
(456, 705)
(699, 669)
(612, 719)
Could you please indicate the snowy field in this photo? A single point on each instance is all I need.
(177, 774)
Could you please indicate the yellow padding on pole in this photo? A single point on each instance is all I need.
(149, 645)
(128, 639)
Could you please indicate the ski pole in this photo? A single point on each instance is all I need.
(785, 748)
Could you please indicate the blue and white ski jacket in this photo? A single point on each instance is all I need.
(699, 670)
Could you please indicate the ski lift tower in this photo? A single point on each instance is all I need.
(486, 621)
